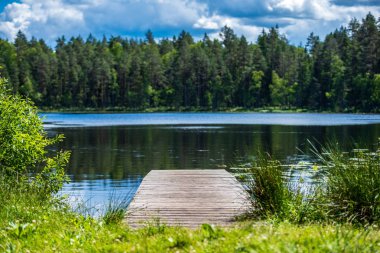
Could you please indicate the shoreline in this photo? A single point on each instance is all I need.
(116, 110)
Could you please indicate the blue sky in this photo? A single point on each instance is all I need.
(50, 19)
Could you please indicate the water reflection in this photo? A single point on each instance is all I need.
(113, 159)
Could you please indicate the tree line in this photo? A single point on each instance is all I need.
(339, 73)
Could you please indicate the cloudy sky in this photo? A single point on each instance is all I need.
(49, 19)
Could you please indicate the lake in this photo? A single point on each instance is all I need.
(111, 153)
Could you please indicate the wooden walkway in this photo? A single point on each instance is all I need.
(188, 198)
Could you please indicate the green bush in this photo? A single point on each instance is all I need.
(24, 159)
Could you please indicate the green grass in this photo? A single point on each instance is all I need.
(349, 191)
(274, 196)
(352, 188)
(31, 224)
(268, 190)
(27, 225)
(116, 209)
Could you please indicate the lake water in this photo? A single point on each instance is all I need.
(111, 153)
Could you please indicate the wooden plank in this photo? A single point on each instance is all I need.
(188, 198)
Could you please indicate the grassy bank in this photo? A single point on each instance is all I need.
(29, 224)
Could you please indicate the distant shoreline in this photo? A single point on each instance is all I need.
(193, 110)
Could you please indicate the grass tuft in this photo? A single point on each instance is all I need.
(349, 190)
(116, 208)
(268, 190)
(274, 196)
(352, 185)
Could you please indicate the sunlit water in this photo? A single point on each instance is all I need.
(111, 153)
(290, 119)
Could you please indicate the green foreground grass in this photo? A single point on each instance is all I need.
(28, 224)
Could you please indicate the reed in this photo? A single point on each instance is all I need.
(352, 185)
(349, 190)
(116, 209)
(273, 195)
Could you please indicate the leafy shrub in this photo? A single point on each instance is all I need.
(24, 159)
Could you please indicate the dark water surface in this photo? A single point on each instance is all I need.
(111, 153)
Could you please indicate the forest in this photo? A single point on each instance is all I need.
(340, 73)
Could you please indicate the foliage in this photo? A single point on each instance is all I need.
(24, 159)
(375, 97)
(278, 90)
(334, 74)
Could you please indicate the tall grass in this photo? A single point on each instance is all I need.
(348, 192)
(352, 186)
(116, 209)
(269, 192)
(273, 195)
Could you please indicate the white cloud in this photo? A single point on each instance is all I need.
(39, 17)
(49, 19)
(216, 22)
(325, 22)
(296, 18)
(290, 5)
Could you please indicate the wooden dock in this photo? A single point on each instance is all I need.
(188, 198)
